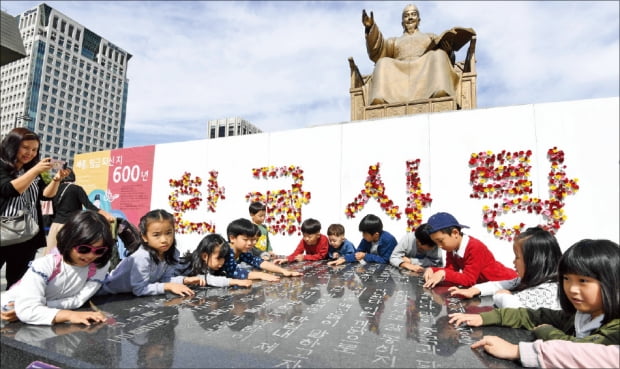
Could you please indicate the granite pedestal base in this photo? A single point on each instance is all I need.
(350, 316)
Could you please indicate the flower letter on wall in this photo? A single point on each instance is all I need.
(283, 206)
(505, 176)
(373, 187)
(215, 192)
(190, 187)
(416, 199)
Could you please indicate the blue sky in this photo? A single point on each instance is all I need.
(283, 65)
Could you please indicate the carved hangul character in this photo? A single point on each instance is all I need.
(275, 313)
(344, 306)
(310, 342)
(355, 330)
(431, 340)
(134, 309)
(393, 327)
(382, 348)
(266, 347)
(248, 329)
(303, 353)
(425, 348)
(289, 364)
(124, 336)
(317, 333)
(299, 318)
(427, 317)
(135, 318)
(219, 311)
(361, 323)
(347, 348)
(153, 313)
(284, 333)
(425, 364)
(306, 294)
(333, 316)
(290, 325)
(385, 360)
(389, 338)
(369, 311)
(428, 331)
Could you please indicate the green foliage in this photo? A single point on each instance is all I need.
(47, 177)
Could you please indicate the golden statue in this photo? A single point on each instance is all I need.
(413, 66)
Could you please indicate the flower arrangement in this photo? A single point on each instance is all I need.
(214, 191)
(416, 199)
(506, 176)
(190, 187)
(284, 205)
(494, 175)
(373, 187)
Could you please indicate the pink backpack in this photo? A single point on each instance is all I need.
(92, 268)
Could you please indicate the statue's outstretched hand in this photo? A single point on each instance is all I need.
(366, 20)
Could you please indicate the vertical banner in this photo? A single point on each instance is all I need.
(129, 181)
(118, 181)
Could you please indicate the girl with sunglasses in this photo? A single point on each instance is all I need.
(55, 284)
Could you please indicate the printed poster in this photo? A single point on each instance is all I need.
(118, 181)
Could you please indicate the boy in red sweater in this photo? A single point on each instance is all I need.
(314, 244)
(468, 260)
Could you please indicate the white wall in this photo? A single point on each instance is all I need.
(335, 161)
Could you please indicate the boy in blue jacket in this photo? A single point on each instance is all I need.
(376, 246)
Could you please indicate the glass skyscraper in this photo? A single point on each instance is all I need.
(71, 88)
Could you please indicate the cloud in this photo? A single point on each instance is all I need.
(283, 65)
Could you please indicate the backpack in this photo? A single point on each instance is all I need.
(130, 236)
(92, 268)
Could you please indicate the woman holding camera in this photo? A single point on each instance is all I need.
(22, 188)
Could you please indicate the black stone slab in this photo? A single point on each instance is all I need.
(350, 316)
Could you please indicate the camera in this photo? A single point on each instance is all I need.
(58, 164)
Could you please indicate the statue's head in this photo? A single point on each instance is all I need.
(411, 18)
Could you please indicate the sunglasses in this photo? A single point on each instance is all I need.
(86, 249)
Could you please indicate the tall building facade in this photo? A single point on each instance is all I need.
(230, 127)
(71, 88)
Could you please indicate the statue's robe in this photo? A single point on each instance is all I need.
(406, 70)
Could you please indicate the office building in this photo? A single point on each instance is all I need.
(11, 44)
(230, 127)
(71, 88)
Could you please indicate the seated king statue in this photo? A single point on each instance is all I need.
(414, 66)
